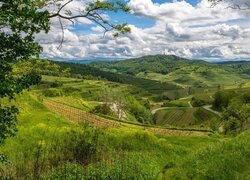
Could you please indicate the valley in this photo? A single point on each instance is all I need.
(124, 90)
(164, 123)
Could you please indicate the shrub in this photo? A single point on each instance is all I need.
(103, 109)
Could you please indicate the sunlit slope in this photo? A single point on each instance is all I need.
(180, 71)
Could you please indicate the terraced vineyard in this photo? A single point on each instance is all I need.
(79, 116)
(78, 103)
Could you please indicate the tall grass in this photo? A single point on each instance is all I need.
(223, 160)
(49, 147)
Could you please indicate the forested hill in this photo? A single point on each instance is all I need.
(146, 84)
(165, 64)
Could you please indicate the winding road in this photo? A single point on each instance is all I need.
(207, 107)
(161, 108)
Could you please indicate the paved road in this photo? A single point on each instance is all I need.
(161, 108)
(208, 107)
(190, 105)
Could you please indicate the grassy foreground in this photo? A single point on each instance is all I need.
(49, 147)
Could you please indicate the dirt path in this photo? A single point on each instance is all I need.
(79, 116)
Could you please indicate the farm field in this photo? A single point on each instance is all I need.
(76, 102)
(181, 116)
(176, 117)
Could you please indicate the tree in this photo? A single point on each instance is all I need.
(18, 24)
(237, 114)
(221, 99)
(243, 5)
(20, 21)
(93, 12)
(140, 112)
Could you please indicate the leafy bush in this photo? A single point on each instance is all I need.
(103, 109)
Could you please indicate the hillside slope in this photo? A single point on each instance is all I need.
(180, 71)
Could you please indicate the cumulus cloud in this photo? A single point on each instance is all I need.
(180, 29)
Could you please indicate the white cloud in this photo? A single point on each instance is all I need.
(180, 29)
(97, 29)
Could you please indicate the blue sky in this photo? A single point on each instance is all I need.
(190, 29)
(142, 22)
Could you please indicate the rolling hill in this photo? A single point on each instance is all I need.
(180, 71)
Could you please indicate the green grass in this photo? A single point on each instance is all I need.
(60, 79)
(88, 90)
(223, 160)
(39, 128)
(48, 146)
(183, 102)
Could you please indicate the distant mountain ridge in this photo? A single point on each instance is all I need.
(182, 71)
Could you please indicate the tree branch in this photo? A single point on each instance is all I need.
(92, 13)
(62, 39)
(243, 7)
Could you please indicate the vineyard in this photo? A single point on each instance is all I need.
(78, 103)
(79, 116)
(176, 117)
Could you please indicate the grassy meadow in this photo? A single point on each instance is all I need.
(46, 144)
(181, 140)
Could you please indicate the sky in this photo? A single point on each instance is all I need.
(190, 29)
